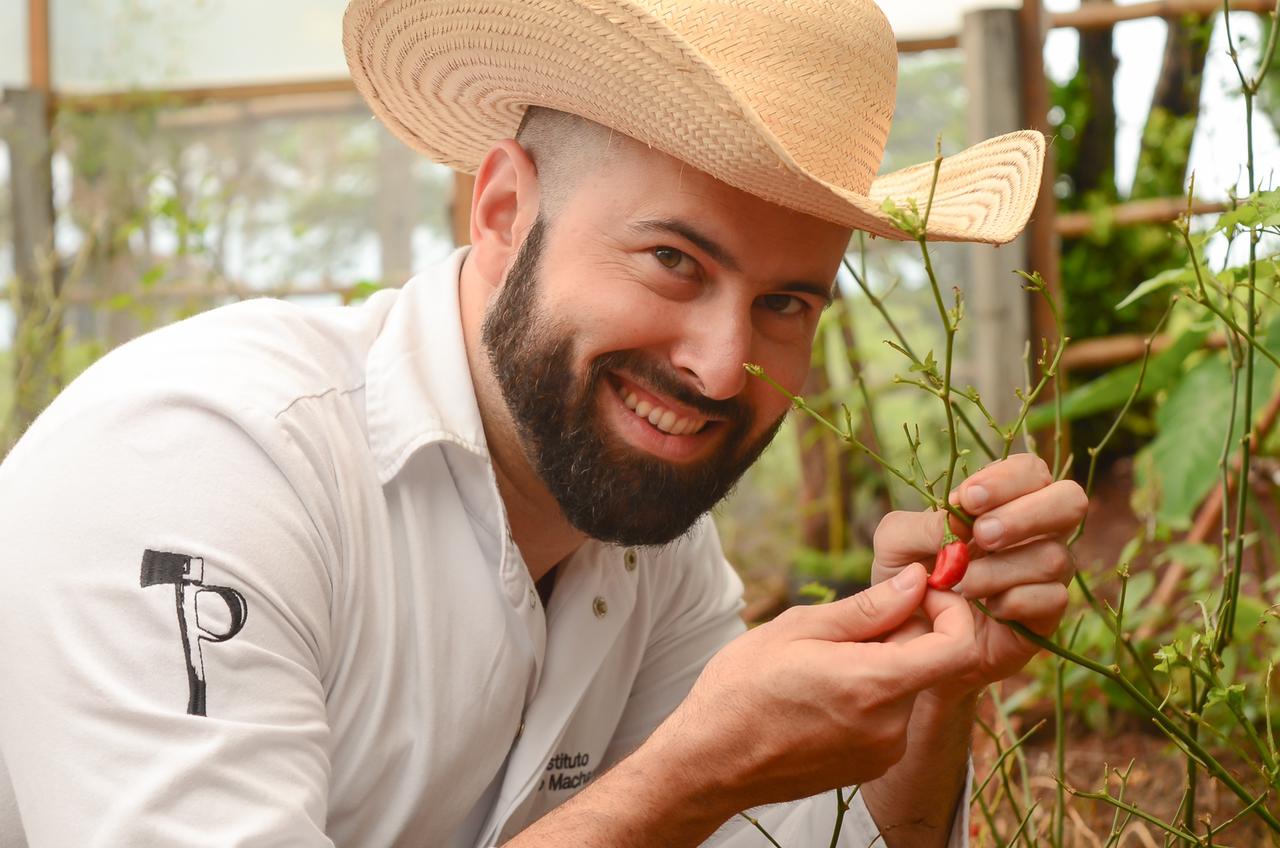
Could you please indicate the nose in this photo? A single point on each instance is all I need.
(713, 345)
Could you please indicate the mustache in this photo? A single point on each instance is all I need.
(662, 379)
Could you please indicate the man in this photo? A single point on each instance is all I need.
(435, 570)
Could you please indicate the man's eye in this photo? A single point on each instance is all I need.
(783, 304)
(673, 259)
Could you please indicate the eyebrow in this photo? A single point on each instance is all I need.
(722, 256)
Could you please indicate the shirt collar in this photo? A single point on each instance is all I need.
(418, 380)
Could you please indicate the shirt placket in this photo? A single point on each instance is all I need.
(592, 602)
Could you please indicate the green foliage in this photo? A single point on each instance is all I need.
(1109, 391)
(817, 593)
(1191, 431)
(846, 567)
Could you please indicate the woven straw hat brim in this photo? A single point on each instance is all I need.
(451, 78)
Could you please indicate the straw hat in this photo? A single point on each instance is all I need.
(789, 100)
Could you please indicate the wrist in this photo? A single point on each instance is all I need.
(950, 698)
(681, 779)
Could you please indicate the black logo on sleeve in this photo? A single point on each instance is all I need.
(186, 575)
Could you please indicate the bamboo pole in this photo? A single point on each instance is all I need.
(1104, 15)
(1109, 351)
(38, 45)
(920, 45)
(124, 100)
(1153, 211)
(1089, 17)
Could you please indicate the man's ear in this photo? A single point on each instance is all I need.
(504, 206)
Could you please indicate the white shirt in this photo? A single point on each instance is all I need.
(314, 485)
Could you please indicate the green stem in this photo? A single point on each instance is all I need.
(1004, 774)
(756, 824)
(1193, 768)
(906, 348)
(1117, 826)
(1168, 725)
(1031, 396)
(1119, 616)
(1003, 754)
(945, 392)
(991, 821)
(800, 404)
(1019, 755)
(842, 806)
(1134, 811)
(1022, 826)
(1124, 410)
(875, 432)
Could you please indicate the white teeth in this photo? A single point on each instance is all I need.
(664, 419)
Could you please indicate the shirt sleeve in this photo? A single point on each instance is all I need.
(163, 611)
(701, 616)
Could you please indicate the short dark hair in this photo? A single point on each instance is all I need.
(564, 147)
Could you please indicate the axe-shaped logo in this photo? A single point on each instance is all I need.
(186, 575)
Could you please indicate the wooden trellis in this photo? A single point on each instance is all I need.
(1003, 97)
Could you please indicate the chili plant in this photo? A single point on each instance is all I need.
(1183, 662)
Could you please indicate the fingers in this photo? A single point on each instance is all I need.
(904, 537)
(1051, 511)
(1043, 561)
(948, 650)
(1002, 481)
(1038, 606)
(862, 617)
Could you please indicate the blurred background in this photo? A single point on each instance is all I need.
(159, 159)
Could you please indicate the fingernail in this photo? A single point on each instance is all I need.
(975, 497)
(908, 577)
(988, 530)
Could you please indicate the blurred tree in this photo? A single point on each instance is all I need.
(1098, 267)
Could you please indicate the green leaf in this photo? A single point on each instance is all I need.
(153, 275)
(1232, 693)
(1258, 210)
(818, 593)
(120, 301)
(929, 366)
(1169, 656)
(1195, 556)
(1112, 389)
(1191, 428)
(1163, 280)
(362, 290)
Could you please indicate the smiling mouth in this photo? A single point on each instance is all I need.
(660, 417)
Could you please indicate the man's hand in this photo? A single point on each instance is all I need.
(810, 700)
(1020, 563)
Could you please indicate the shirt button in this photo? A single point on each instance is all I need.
(600, 607)
(533, 598)
(629, 560)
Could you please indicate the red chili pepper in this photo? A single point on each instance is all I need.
(951, 564)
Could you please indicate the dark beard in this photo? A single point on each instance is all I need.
(605, 489)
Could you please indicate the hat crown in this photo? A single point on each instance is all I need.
(820, 74)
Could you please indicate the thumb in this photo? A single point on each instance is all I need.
(864, 616)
